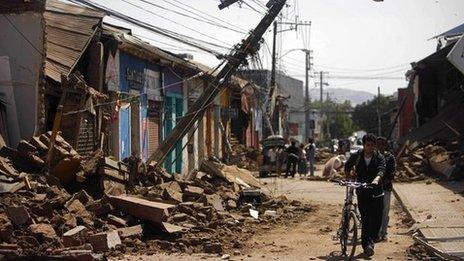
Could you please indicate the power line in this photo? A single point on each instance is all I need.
(192, 17)
(188, 40)
(202, 12)
(175, 22)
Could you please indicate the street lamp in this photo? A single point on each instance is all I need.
(307, 69)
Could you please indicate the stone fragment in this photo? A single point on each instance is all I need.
(172, 195)
(75, 237)
(75, 206)
(105, 241)
(19, 215)
(116, 221)
(26, 147)
(215, 248)
(215, 201)
(194, 191)
(180, 217)
(44, 232)
(130, 231)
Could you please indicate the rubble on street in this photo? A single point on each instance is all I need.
(213, 210)
(420, 161)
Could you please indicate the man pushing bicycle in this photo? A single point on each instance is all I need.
(368, 166)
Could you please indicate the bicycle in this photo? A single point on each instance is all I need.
(348, 231)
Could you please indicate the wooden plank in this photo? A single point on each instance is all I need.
(115, 164)
(153, 212)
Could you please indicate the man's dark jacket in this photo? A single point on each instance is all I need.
(390, 168)
(366, 174)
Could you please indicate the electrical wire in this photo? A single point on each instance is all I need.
(205, 16)
(175, 22)
(192, 17)
(188, 40)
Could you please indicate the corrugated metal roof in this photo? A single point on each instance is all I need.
(68, 30)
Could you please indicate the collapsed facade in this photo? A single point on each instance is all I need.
(431, 107)
(131, 93)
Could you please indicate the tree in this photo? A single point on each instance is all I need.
(338, 114)
(365, 114)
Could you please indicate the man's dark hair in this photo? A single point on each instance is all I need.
(310, 140)
(293, 143)
(369, 137)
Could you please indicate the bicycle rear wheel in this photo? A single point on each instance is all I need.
(349, 235)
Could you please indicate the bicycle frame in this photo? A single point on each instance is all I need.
(350, 209)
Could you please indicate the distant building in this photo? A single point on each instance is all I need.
(291, 122)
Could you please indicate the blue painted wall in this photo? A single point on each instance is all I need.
(134, 64)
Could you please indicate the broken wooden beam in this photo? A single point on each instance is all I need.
(154, 212)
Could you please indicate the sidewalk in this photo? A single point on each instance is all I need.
(438, 212)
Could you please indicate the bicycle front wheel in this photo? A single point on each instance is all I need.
(349, 235)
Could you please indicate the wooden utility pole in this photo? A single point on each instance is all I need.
(238, 56)
(379, 119)
(308, 131)
(273, 83)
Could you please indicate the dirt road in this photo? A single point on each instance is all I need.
(312, 237)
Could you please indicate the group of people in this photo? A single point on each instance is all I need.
(373, 164)
(297, 159)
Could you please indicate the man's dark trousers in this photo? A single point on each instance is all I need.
(291, 166)
(370, 209)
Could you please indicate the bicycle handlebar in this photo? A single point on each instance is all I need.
(354, 184)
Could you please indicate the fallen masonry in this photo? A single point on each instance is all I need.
(206, 211)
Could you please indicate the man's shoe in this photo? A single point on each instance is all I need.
(369, 251)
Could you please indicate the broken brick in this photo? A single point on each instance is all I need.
(35, 141)
(6, 228)
(194, 191)
(116, 221)
(180, 217)
(215, 201)
(105, 241)
(75, 206)
(44, 232)
(215, 248)
(130, 231)
(172, 195)
(26, 147)
(19, 215)
(75, 237)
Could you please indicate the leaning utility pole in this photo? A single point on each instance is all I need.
(248, 46)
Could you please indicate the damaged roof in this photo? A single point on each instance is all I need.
(136, 46)
(142, 49)
(456, 31)
(69, 29)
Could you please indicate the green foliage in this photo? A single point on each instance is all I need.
(341, 123)
(365, 114)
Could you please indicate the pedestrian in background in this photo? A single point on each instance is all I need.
(280, 159)
(292, 159)
(369, 166)
(311, 155)
(302, 161)
(390, 169)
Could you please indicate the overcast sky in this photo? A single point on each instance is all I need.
(355, 38)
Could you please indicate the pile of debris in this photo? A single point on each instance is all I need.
(323, 155)
(63, 164)
(214, 210)
(245, 157)
(417, 160)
